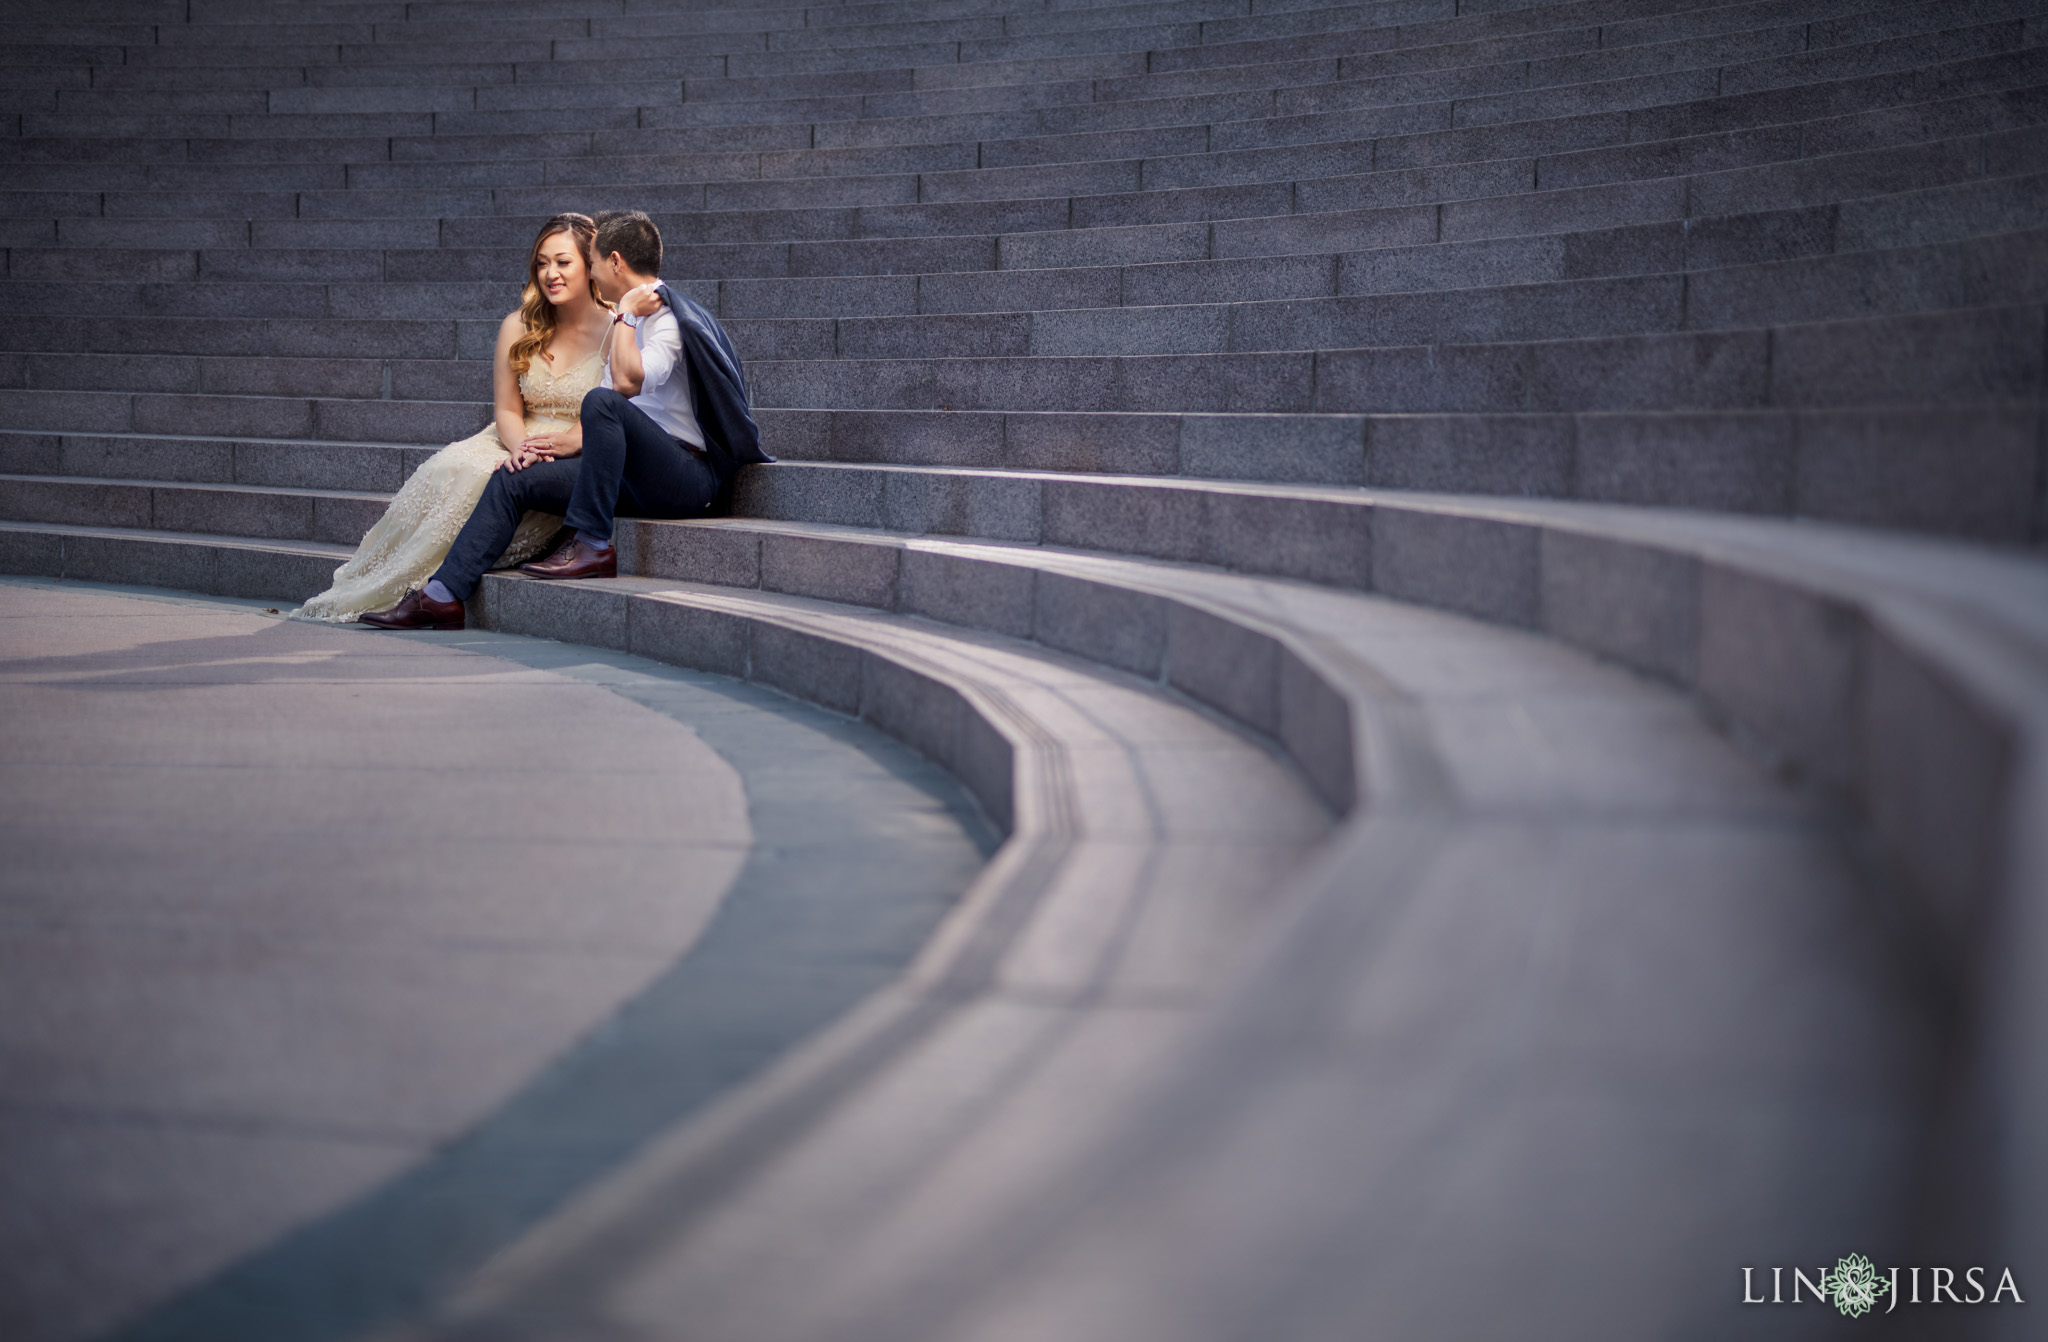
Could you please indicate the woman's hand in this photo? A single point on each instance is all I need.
(545, 447)
(535, 448)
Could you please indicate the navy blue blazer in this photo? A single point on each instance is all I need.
(718, 395)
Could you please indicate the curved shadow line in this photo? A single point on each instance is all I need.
(806, 931)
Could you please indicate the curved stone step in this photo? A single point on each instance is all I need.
(1976, 355)
(1959, 470)
(1980, 270)
(439, 101)
(1402, 656)
(1590, 730)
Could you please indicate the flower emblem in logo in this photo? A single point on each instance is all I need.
(1855, 1285)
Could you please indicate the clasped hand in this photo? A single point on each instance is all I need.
(540, 447)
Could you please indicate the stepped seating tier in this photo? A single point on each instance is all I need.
(1357, 492)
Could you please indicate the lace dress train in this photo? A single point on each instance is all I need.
(412, 538)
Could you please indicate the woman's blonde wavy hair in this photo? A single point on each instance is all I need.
(536, 314)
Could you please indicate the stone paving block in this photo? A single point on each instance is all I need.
(1222, 663)
(1311, 540)
(1984, 355)
(1103, 245)
(1020, 290)
(1998, 205)
(310, 466)
(1025, 384)
(1320, 449)
(843, 498)
(1180, 329)
(820, 297)
(1261, 382)
(28, 499)
(597, 617)
(1121, 629)
(851, 572)
(1187, 204)
(1125, 444)
(1744, 463)
(1473, 565)
(1634, 604)
(809, 667)
(399, 421)
(921, 712)
(265, 417)
(1720, 370)
(1784, 664)
(1494, 454)
(1316, 727)
(1669, 158)
(1331, 232)
(241, 513)
(36, 454)
(988, 506)
(2003, 268)
(961, 590)
(1771, 235)
(1522, 213)
(1820, 289)
(1928, 783)
(187, 567)
(912, 437)
(278, 574)
(982, 335)
(1155, 520)
(692, 552)
(28, 552)
(1422, 379)
(892, 256)
(1966, 472)
(685, 636)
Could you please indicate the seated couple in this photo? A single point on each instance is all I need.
(613, 397)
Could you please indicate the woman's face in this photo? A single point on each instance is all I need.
(559, 268)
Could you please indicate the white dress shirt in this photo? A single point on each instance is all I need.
(665, 384)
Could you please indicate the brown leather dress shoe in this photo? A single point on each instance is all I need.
(417, 611)
(577, 559)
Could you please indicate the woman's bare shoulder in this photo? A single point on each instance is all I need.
(509, 329)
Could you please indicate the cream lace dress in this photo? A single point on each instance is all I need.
(412, 538)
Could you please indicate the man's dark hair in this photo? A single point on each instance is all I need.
(633, 236)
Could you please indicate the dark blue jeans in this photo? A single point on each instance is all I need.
(630, 467)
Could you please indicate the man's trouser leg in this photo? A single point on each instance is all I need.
(545, 486)
(633, 467)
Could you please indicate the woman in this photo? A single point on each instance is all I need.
(550, 352)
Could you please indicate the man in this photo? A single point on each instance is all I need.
(664, 440)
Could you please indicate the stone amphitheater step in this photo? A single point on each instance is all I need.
(1077, 600)
(1388, 297)
(1109, 351)
(1074, 123)
(1590, 37)
(1149, 226)
(1821, 444)
(1380, 85)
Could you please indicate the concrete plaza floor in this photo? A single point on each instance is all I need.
(331, 959)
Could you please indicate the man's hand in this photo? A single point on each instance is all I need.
(643, 301)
